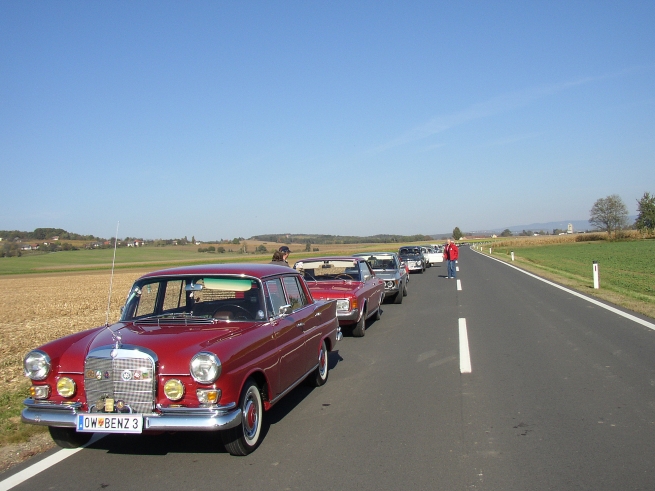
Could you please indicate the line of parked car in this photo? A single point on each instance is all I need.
(211, 347)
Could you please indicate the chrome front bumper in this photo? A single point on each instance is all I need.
(170, 419)
(348, 317)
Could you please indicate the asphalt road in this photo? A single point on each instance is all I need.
(561, 396)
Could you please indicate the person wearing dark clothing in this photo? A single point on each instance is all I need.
(280, 256)
(451, 253)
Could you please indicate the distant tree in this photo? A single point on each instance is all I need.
(261, 249)
(308, 246)
(236, 241)
(506, 233)
(221, 250)
(609, 214)
(457, 233)
(646, 218)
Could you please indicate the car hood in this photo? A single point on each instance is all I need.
(174, 345)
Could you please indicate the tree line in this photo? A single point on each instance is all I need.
(339, 239)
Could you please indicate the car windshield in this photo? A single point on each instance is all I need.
(381, 261)
(410, 250)
(206, 297)
(327, 270)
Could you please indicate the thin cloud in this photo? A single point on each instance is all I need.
(496, 105)
(515, 139)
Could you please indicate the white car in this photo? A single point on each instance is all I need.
(432, 256)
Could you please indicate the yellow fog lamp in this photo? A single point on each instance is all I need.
(40, 391)
(174, 389)
(208, 396)
(66, 387)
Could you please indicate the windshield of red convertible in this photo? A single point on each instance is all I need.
(211, 297)
(329, 270)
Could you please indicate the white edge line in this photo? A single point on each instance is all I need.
(44, 464)
(631, 317)
(459, 285)
(464, 355)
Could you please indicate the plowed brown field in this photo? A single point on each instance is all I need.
(36, 309)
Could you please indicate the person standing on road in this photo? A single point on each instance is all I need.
(280, 256)
(451, 253)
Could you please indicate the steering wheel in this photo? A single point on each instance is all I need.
(235, 309)
(344, 274)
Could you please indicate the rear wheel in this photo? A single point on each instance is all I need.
(244, 438)
(68, 437)
(360, 328)
(378, 312)
(319, 376)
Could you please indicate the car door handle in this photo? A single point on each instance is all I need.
(301, 324)
(318, 314)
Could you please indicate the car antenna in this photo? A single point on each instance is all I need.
(116, 337)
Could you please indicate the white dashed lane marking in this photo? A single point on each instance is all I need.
(464, 355)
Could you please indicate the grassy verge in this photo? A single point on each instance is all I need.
(11, 428)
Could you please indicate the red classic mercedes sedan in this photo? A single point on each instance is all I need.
(198, 348)
(351, 282)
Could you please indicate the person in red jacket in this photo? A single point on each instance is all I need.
(451, 253)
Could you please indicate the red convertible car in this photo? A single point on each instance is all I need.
(351, 282)
(197, 348)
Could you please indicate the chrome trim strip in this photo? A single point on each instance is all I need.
(174, 411)
(293, 386)
(125, 351)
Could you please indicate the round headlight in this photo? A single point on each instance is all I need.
(205, 367)
(37, 365)
(174, 389)
(66, 387)
(343, 304)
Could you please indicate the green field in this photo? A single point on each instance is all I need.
(625, 267)
(158, 257)
(95, 259)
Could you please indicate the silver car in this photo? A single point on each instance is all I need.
(386, 265)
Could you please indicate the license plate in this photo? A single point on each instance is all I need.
(110, 423)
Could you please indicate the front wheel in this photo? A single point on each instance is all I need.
(244, 439)
(319, 376)
(405, 289)
(68, 437)
(399, 297)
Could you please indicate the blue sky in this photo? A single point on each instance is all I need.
(226, 119)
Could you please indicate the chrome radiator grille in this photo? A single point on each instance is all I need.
(129, 377)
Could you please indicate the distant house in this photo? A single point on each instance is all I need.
(56, 237)
(26, 247)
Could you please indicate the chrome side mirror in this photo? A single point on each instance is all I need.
(285, 310)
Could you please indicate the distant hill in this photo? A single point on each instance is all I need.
(338, 239)
(578, 226)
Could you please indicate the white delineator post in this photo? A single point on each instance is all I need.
(512, 255)
(596, 279)
(490, 250)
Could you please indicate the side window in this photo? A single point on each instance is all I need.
(147, 300)
(274, 296)
(294, 293)
(174, 295)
